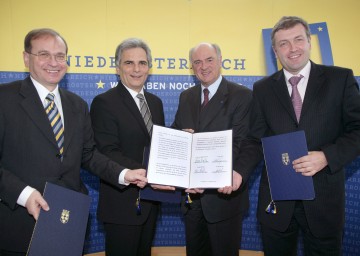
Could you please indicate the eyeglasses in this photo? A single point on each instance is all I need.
(45, 56)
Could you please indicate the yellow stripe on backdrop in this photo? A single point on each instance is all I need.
(93, 28)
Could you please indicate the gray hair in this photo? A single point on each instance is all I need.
(287, 22)
(131, 43)
(215, 46)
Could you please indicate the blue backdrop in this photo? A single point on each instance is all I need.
(170, 227)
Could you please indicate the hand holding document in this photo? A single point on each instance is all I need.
(182, 159)
(279, 152)
(155, 192)
(61, 230)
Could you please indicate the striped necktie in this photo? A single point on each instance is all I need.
(55, 121)
(145, 112)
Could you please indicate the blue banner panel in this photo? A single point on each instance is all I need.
(170, 227)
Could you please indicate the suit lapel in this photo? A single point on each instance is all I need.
(34, 108)
(131, 106)
(316, 81)
(152, 106)
(195, 105)
(216, 103)
(70, 118)
(281, 91)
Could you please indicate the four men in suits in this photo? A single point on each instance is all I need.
(121, 134)
(330, 117)
(30, 155)
(329, 113)
(213, 220)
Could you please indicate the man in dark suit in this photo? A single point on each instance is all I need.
(122, 133)
(213, 220)
(329, 113)
(30, 155)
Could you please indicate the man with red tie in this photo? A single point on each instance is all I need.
(213, 221)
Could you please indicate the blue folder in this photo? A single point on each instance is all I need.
(279, 152)
(61, 230)
(148, 193)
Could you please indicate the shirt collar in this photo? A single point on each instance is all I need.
(133, 93)
(213, 87)
(43, 92)
(305, 72)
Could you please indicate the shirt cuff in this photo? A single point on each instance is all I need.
(122, 177)
(24, 196)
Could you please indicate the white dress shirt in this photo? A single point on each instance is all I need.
(302, 85)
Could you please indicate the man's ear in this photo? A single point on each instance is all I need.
(26, 59)
(274, 51)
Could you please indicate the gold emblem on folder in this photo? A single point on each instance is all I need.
(65, 215)
(285, 158)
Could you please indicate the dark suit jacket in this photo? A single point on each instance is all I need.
(330, 117)
(120, 133)
(29, 155)
(227, 109)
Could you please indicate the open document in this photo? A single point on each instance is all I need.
(183, 159)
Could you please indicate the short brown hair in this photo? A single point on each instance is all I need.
(37, 33)
(287, 22)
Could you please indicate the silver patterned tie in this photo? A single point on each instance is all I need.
(145, 112)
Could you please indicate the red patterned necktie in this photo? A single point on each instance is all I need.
(295, 95)
(206, 98)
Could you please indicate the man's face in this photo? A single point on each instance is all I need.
(133, 68)
(206, 64)
(292, 48)
(48, 72)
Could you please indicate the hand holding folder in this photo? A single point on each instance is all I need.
(61, 230)
(285, 183)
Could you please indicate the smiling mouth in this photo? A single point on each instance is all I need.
(294, 56)
(136, 77)
(52, 71)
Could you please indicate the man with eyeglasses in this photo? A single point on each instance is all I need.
(45, 136)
